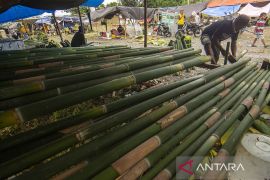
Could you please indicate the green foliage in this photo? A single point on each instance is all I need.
(131, 3)
(112, 4)
(74, 11)
(102, 6)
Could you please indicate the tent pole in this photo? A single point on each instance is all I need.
(89, 18)
(57, 27)
(145, 23)
(78, 8)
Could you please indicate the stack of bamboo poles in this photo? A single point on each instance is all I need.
(134, 137)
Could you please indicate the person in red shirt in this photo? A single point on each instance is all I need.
(259, 29)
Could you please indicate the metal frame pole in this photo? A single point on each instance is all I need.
(145, 23)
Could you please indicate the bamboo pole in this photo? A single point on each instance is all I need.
(56, 25)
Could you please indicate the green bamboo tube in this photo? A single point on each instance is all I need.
(35, 76)
(53, 83)
(92, 113)
(58, 55)
(27, 99)
(154, 157)
(33, 110)
(117, 168)
(32, 56)
(246, 104)
(8, 75)
(79, 64)
(262, 127)
(60, 58)
(229, 147)
(81, 74)
(74, 157)
(33, 52)
(226, 102)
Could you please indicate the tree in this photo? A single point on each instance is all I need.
(130, 3)
(102, 6)
(112, 4)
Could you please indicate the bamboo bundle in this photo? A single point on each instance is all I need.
(79, 63)
(135, 136)
(245, 104)
(141, 151)
(229, 147)
(53, 61)
(27, 99)
(33, 110)
(153, 158)
(75, 156)
(207, 118)
(84, 74)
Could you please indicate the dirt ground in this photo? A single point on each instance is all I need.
(244, 42)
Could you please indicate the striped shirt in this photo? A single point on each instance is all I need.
(260, 26)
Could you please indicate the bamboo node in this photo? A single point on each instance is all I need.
(104, 108)
(173, 116)
(224, 92)
(81, 135)
(213, 119)
(248, 102)
(59, 91)
(19, 116)
(229, 82)
(266, 85)
(255, 110)
(127, 66)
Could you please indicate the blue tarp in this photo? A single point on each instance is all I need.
(93, 3)
(20, 12)
(221, 10)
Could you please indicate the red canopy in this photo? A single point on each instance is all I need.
(215, 3)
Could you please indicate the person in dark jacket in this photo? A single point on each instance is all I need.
(219, 31)
(78, 39)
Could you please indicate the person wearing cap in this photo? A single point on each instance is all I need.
(219, 31)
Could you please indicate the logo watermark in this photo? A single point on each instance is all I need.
(200, 166)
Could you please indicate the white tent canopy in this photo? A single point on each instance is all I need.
(58, 13)
(252, 11)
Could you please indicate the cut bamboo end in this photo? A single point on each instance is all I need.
(163, 175)
(134, 156)
(136, 170)
(71, 171)
(173, 116)
(9, 118)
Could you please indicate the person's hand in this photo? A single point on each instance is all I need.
(231, 58)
